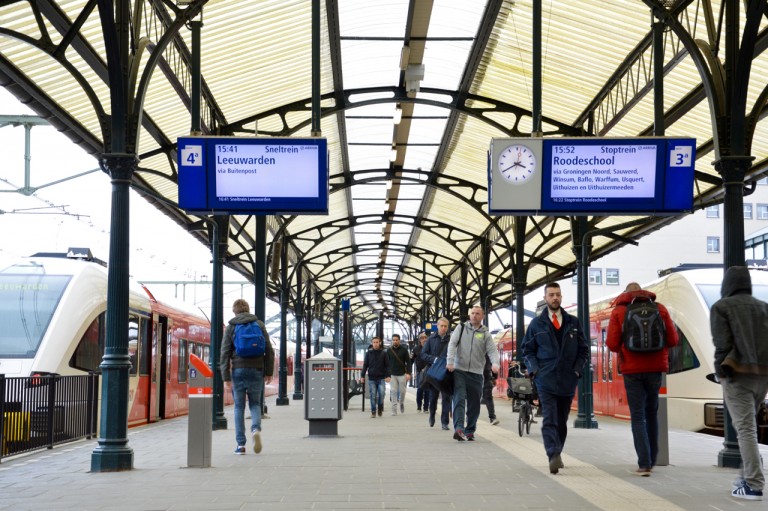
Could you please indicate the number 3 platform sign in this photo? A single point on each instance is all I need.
(591, 176)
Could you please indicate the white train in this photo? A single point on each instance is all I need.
(53, 321)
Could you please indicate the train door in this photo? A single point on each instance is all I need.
(158, 368)
(604, 373)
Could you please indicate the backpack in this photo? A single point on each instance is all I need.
(248, 340)
(643, 330)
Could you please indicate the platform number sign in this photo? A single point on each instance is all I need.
(192, 156)
(680, 156)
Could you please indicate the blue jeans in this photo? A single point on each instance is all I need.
(554, 423)
(643, 400)
(376, 391)
(467, 391)
(247, 381)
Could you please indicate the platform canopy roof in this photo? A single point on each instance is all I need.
(408, 216)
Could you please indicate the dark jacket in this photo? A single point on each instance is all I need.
(557, 366)
(630, 362)
(376, 365)
(739, 325)
(398, 368)
(420, 364)
(435, 347)
(229, 360)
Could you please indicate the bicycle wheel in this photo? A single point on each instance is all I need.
(523, 417)
(528, 422)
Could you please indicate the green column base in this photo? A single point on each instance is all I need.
(111, 459)
(584, 423)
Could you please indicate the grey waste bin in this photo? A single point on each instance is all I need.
(323, 402)
(200, 413)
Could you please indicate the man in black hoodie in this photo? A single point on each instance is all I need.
(739, 324)
(376, 365)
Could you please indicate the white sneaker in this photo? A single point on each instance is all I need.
(256, 436)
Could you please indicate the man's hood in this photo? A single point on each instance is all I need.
(736, 281)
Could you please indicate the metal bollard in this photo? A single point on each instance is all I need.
(199, 430)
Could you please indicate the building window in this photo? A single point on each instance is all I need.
(611, 277)
(713, 211)
(713, 244)
(762, 211)
(748, 211)
(595, 276)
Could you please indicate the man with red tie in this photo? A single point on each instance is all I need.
(554, 352)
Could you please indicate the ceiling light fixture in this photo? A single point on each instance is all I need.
(389, 184)
(393, 153)
(398, 116)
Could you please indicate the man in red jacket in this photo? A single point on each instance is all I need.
(642, 376)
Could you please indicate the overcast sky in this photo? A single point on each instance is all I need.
(76, 212)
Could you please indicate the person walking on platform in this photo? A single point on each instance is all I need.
(422, 389)
(399, 364)
(376, 366)
(642, 374)
(739, 323)
(245, 374)
(554, 352)
(489, 382)
(437, 347)
(467, 349)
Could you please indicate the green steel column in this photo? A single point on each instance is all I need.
(581, 247)
(219, 233)
(298, 369)
(519, 281)
(282, 383)
(113, 453)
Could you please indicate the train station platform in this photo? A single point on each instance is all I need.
(384, 463)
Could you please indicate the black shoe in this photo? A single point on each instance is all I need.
(431, 420)
(445, 427)
(470, 437)
(555, 463)
(460, 436)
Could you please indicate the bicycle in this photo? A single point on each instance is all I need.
(523, 392)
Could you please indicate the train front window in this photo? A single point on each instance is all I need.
(27, 304)
(711, 293)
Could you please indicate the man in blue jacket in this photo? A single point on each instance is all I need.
(555, 351)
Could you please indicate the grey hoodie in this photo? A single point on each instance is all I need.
(739, 326)
(469, 355)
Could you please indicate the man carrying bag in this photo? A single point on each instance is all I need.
(436, 348)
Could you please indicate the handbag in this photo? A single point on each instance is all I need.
(438, 370)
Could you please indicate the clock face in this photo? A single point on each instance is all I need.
(517, 163)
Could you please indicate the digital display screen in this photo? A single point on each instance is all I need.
(253, 175)
(585, 176)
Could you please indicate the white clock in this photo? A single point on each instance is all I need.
(517, 163)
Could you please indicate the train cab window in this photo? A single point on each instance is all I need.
(183, 360)
(90, 349)
(681, 357)
(206, 353)
(27, 303)
(133, 344)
